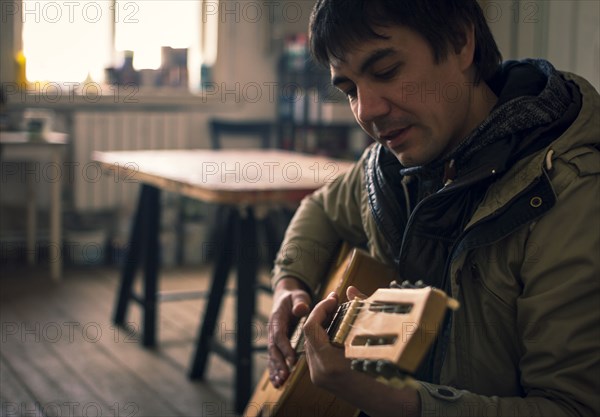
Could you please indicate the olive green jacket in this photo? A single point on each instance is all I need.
(526, 340)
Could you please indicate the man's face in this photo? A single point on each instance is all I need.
(403, 99)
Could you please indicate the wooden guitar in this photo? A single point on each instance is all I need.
(386, 335)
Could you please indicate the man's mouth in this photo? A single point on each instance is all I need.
(395, 138)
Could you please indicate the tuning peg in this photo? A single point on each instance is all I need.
(384, 369)
(406, 284)
(369, 367)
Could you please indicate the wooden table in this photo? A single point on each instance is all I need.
(241, 179)
(18, 146)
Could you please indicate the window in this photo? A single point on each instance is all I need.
(69, 41)
(65, 44)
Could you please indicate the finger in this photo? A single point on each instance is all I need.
(281, 354)
(353, 292)
(300, 304)
(278, 372)
(279, 330)
(282, 357)
(313, 329)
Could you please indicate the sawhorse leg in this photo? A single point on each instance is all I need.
(239, 231)
(143, 245)
(226, 220)
(246, 302)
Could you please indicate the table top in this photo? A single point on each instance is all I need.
(226, 176)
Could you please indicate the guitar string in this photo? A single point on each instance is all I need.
(365, 303)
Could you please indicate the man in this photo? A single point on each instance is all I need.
(484, 181)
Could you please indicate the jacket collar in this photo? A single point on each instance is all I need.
(583, 131)
(533, 101)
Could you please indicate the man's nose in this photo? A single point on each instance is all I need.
(371, 104)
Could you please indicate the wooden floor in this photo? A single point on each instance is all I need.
(60, 355)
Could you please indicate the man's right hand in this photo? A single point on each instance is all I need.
(291, 301)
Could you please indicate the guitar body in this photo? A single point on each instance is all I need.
(298, 396)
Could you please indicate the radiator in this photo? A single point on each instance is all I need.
(95, 190)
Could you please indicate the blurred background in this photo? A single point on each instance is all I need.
(108, 75)
(121, 75)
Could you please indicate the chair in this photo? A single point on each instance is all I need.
(241, 131)
(248, 134)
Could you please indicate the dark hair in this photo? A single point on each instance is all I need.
(337, 25)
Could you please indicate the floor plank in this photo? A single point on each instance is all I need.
(60, 353)
(15, 396)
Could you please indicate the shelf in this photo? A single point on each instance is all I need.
(306, 107)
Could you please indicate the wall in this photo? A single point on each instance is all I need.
(565, 32)
(10, 40)
(251, 36)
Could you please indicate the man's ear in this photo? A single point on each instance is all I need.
(466, 51)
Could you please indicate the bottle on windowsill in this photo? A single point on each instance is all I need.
(127, 75)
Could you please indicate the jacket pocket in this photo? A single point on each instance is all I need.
(479, 280)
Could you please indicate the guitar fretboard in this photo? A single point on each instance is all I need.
(332, 329)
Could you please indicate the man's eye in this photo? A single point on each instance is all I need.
(387, 74)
